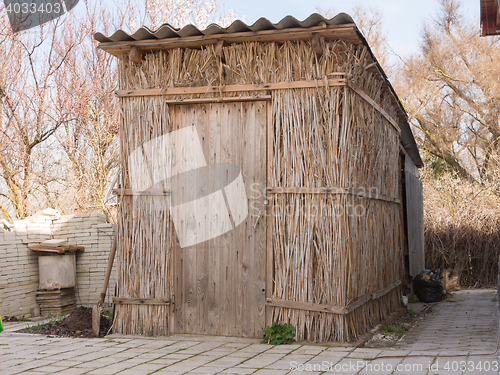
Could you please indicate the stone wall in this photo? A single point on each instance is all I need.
(19, 264)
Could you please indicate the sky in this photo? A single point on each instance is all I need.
(403, 19)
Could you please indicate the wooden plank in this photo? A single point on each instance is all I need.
(402, 150)
(307, 190)
(269, 218)
(57, 249)
(332, 308)
(330, 32)
(231, 88)
(318, 43)
(331, 190)
(140, 301)
(387, 289)
(359, 302)
(149, 192)
(179, 277)
(371, 195)
(135, 54)
(202, 252)
(219, 47)
(375, 105)
(255, 159)
(172, 272)
(415, 226)
(189, 254)
(244, 278)
(219, 99)
(307, 306)
(221, 250)
(229, 271)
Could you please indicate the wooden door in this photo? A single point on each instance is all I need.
(219, 284)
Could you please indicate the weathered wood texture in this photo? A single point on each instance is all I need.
(325, 249)
(220, 283)
(415, 222)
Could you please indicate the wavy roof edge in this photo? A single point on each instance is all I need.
(168, 31)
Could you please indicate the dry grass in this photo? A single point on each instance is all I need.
(462, 229)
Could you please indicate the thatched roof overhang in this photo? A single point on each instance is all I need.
(133, 46)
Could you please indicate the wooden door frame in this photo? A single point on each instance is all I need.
(268, 223)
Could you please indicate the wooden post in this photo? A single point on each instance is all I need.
(220, 45)
(218, 50)
(135, 55)
(318, 43)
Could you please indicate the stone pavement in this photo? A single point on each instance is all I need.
(456, 332)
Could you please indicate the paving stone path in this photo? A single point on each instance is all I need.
(460, 331)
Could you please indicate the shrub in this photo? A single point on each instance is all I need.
(278, 334)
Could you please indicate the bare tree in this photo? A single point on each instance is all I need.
(369, 20)
(59, 115)
(33, 109)
(451, 90)
(90, 141)
(178, 13)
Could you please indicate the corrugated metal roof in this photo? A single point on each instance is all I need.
(166, 30)
(151, 40)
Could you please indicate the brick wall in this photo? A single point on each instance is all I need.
(19, 265)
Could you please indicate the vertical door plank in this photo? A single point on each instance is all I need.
(216, 304)
(259, 248)
(190, 114)
(201, 268)
(269, 225)
(221, 283)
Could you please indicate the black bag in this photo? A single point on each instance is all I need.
(428, 290)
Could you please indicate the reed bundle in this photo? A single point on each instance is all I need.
(329, 249)
(462, 230)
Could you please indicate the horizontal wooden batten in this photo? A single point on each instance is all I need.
(307, 306)
(333, 309)
(253, 87)
(219, 99)
(149, 192)
(358, 303)
(141, 301)
(346, 32)
(374, 104)
(331, 190)
(387, 289)
(232, 88)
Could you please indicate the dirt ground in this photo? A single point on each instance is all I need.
(385, 336)
(79, 324)
(76, 324)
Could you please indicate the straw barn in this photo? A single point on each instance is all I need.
(299, 134)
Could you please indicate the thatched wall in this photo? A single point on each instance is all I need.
(329, 249)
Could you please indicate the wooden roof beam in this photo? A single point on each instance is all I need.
(318, 43)
(219, 46)
(344, 32)
(135, 54)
